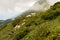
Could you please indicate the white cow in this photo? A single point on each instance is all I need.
(17, 27)
(23, 23)
(28, 16)
(33, 14)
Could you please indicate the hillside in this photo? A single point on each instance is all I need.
(43, 25)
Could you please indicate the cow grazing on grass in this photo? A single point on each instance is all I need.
(33, 14)
(28, 16)
(23, 23)
(17, 27)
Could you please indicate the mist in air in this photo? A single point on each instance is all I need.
(13, 8)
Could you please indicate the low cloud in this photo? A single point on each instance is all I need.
(11, 8)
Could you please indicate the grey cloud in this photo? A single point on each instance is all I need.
(11, 8)
(5, 4)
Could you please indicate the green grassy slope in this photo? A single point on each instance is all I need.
(43, 26)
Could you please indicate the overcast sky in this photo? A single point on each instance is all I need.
(11, 8)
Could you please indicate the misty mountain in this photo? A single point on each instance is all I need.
(40, 5)
(3, 22)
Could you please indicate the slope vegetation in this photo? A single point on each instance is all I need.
(35, 26)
